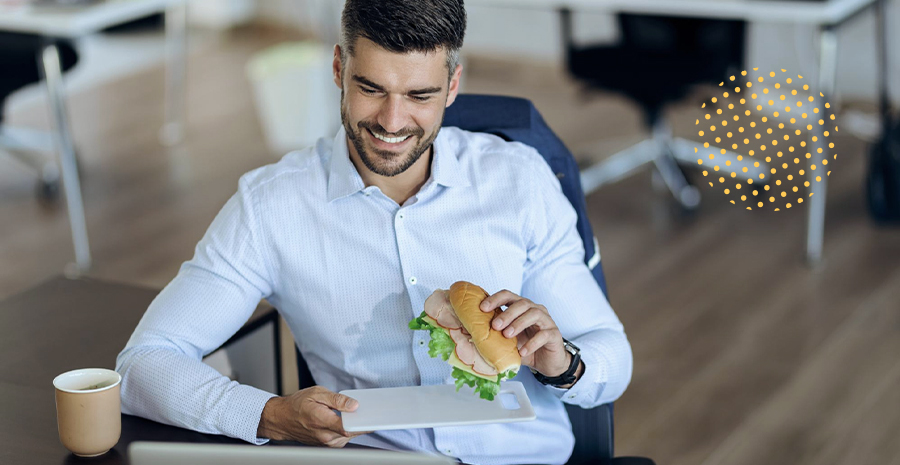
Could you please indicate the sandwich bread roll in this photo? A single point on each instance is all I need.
(500, 352)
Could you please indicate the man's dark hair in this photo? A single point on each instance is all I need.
(405, 26)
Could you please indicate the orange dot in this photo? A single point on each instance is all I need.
(727, 191)
(760, 204)
(760, 79)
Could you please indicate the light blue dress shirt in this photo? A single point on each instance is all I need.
(348, 268)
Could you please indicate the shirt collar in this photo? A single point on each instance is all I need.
(344, 179)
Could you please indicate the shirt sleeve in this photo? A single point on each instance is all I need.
(556, 276)
(213, 295)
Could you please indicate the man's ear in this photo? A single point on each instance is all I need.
(336, 67)
(454, 85)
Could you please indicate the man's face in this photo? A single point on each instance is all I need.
(392, 104)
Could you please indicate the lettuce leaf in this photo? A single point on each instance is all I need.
(486, 389)
(440, 345)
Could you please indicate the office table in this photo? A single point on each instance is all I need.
(65, 324)
(73, 21)
(826, 15)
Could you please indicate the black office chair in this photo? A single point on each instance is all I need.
(516, 119)
(20, 55)
(657, 61)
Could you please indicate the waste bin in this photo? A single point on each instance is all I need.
(296, 98)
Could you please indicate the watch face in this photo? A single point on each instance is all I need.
(571, 348)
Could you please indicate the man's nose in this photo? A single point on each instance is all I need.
(392, 116)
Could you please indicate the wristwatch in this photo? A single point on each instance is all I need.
(568, 376)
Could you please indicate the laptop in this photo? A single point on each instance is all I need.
(168, 453)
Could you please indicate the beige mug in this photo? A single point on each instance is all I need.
(88, 410)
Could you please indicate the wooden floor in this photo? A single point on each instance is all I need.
(742, 354)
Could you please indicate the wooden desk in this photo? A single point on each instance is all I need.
(64, 324)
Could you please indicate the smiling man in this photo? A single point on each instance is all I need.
(347, 239)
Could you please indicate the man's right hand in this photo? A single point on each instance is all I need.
(306, 416)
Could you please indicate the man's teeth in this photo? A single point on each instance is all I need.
(390, 140)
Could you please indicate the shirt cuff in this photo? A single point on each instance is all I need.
(592, 379)
(241, 418)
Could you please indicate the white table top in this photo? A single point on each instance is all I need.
(793, 11)
(76, 21)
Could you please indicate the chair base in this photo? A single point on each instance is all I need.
(665, 152)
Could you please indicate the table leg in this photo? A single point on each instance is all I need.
(815, 227)
(172, 132)
(52, 70)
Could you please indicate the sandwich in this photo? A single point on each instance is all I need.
(461, 334)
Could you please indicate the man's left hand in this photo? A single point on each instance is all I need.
(539, 340)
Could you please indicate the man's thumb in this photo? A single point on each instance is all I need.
(343, 403)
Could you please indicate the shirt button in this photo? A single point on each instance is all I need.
(572, 396)
(400, 216)
(422, 343)
(449, 451)
(413, 280)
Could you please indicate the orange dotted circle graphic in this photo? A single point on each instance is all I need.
(773, 133)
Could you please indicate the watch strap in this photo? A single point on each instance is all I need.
(567, 377)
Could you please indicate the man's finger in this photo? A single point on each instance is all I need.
(510, 314)
(499, 299)
(530, 318)
(336, 401)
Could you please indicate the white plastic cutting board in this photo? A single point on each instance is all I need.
(432, 406)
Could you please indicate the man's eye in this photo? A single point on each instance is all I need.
(367, 90)
(419, 98)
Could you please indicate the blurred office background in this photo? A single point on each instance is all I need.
(744, 353)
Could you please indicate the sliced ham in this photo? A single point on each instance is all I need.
(468, 354)
(438, 307)
(482, 367)
(465, 350)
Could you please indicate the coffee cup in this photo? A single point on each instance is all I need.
(88, 410)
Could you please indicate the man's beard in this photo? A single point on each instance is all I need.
(378, 161)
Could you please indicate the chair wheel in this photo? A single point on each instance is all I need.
(48, 192)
